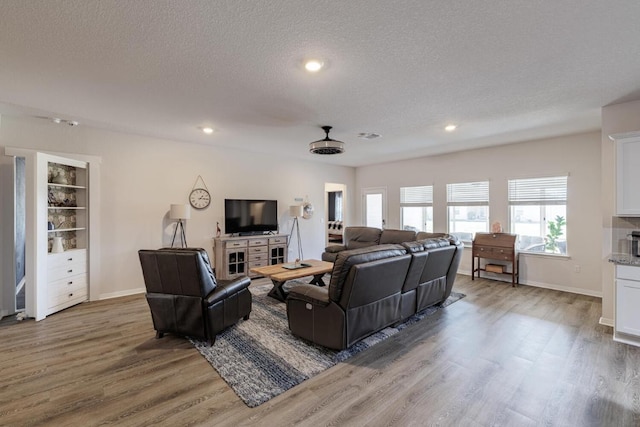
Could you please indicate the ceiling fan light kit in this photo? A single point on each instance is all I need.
(326, 145)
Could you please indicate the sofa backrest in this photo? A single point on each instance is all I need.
(177, 271)
(347, 259)
(397, 236)
(373, 281)
(438, 262)
(453, 268)
(427, 235)
(361, 237)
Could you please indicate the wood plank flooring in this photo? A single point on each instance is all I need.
(501, 356)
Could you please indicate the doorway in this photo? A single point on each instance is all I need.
(335, 212)
(374, 207)
(12, 249)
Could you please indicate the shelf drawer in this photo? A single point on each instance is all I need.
(260, 263)
(277, 240)
(257, 257)
(493, 252)
(483, 251)
(237, 244)
(258, 242)
(258, 250)
(62, 265)
(72, 288)
(67, 257)
(68, 301)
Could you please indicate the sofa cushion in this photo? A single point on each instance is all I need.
(361, 237)
(423, 235)
(440, 242)
(413, 247)
(397, 236)
(346, 259)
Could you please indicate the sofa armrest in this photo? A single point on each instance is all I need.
(311, 294)
(335, 248)
(225, 288)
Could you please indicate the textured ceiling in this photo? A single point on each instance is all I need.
(504, 71)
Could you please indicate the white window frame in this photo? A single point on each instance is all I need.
(415, 197)
(542, 192)
(467, 194)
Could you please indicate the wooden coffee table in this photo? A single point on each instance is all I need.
(279, 275)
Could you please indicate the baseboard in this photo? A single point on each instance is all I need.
(570, 289)
(123, 293)
(606, 322)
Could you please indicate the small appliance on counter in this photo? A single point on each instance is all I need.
(635, 243)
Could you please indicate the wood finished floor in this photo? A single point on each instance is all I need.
(501, 356)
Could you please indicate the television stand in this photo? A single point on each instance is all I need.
(235, 256)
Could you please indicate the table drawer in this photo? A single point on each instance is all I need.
(258, 242)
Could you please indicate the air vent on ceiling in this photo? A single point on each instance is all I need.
(368, 135)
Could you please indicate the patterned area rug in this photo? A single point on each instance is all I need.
(261, 359)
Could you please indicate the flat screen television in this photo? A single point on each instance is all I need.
(250, 216)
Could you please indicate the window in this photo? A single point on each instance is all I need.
(416, 208)
(538, 213)
(468, 209)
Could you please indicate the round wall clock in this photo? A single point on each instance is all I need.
(199, 198)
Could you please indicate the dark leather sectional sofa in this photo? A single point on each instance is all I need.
(373, 287)
(362, 237)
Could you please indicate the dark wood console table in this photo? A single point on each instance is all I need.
(499, 247)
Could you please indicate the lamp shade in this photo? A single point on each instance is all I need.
(180, 212)
(295, 211)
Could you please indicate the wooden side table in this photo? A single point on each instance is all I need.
(499, 247)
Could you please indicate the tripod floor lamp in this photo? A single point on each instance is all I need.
(181, 213)
(295, 212)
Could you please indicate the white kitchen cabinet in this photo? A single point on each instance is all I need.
(627, 324)
(627, 173)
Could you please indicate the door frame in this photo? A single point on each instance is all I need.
(374, 190)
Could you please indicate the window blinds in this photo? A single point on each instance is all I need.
(422, 195)
(538, 191)
(468, 194)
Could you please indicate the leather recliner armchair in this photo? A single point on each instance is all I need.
(184, 296)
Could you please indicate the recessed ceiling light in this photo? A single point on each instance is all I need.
(450, 128)
(313, 65)
(207, 130)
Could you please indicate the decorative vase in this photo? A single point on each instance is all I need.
(57, 245)
(60, 179)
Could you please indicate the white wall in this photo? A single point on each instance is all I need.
(618, 118)
(142, 176)
(578, 155)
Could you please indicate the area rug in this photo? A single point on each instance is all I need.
(261, 359)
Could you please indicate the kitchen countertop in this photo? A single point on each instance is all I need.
(624, 259)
